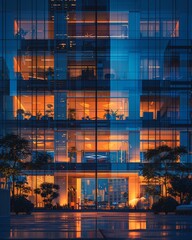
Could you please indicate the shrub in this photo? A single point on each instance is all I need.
(21, 204)
(165, 204)
(48, 192)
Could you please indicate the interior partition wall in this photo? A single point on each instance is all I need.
(95, 84)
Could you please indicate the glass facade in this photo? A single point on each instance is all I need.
(96, 84)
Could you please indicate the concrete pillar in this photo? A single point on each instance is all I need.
(9, 49)
(60, 106)
(60, 66)
(4, 213)
(5, 203)
(60, 33)
(184, 108)
(134, 86)
(183, 65)
(60, 25)
(134, 106)
(184, 25)
(8, 101)
(134, 25)
(185, 141)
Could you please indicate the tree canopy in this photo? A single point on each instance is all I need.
(161, 164)
(48, 191)
(13, 151)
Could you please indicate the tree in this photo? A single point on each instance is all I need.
(181, 187)
(22, 188)
(48, 191)
(13, 151)
(6, 171)
(161, 164)
(165, 204)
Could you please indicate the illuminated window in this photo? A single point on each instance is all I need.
(33, 107)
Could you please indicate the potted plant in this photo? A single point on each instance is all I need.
(110, 114)
(72, 114)
(50, 111)
(113, 114)
(50, 73)
(20, 113)
(21, 33)
(107, 114)
(49, 192)
(27, 114)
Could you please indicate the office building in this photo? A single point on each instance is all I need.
(96, 84)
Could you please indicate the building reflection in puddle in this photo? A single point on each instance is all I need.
(135, 224)
(89, 225)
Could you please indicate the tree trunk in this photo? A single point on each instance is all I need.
(13, 187)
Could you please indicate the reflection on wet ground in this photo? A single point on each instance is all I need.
(105, 225)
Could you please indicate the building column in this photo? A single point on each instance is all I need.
(133, 189)
(60, 106)
(60, 36)
(134, 86)
(8, 108)
(185, 141)
(134, 25)
(185, 108)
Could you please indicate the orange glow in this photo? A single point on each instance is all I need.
(33, 104)
(85, 106)
(106, 141)
(104, 17)
(33, 67)
(35, 29)
(134, 190)
(176, 30)
(151, 139)
(133, 224)
(16, 65)
(16, 28)
(93, 21)
(35, 182)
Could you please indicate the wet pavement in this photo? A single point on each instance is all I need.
(105, 225)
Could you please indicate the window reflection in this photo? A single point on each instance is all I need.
(27, 29)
